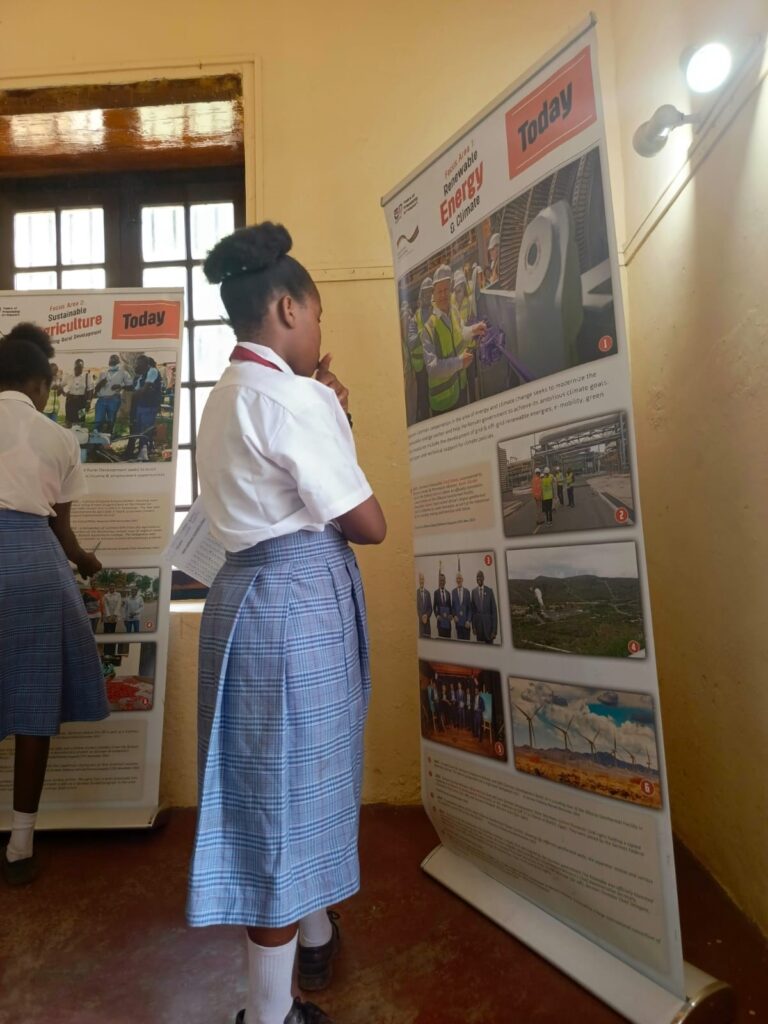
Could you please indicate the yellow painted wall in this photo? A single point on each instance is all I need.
(698, 300)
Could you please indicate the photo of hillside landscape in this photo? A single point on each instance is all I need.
(599, 740)
(577, 599)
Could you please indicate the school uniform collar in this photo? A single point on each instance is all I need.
(16, 396)
(267, 353)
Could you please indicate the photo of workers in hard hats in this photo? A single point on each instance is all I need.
(456, 597)
(567, 478)
(118, 405)
(525, 294)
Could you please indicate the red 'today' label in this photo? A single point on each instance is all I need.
(556, 110)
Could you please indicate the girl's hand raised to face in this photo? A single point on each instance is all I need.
(326, 376)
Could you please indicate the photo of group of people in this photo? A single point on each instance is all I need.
(121, 600)
(461, 708)
(568, 478)
(577, 600)
(525, 294)
(603, 741)
(120, 406)
(456, 597)
(129, 675)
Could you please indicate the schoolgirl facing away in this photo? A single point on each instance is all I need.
(49, 665)
(284, 675)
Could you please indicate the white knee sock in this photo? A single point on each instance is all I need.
(315, 929)
(22, 836)
(270, 970)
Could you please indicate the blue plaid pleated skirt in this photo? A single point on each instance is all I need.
(283, 693)
(50, 670)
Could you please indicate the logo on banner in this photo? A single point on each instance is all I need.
(146, 320)
(560, 108)
(407, 238)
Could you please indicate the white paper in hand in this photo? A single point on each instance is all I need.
(193, 549)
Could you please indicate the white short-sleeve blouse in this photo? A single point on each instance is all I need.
(39, 460)
(275, 455)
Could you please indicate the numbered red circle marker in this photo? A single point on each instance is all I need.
(633, 646)
(621, 515)
(144, 702)
(149, 624)
(606, 343)
(498, 748)
(647, 787)
(488, 559)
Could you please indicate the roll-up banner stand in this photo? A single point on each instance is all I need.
(542, 755)
(111, 344)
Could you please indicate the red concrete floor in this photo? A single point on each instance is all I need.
(100, 938)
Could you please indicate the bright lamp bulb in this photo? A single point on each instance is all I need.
(708, 67)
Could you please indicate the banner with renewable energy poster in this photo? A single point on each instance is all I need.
(542, 754)
(116, 388)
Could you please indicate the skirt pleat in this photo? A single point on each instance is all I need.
(50, 671)
(283, 694)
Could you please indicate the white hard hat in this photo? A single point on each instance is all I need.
(426, 284)
(443, 273)
(537, 471)
(459, 278)
(494, 241)
(546, 469)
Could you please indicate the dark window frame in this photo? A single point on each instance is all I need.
(122, 195)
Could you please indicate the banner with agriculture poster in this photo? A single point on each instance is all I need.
(116, 388)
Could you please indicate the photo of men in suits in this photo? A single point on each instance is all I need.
(485, 618)
(441, 604)
(424, 608)
(447, 612)
(461, 608)
(461, 707)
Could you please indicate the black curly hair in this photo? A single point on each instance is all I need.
(252, 265)
(24, 355)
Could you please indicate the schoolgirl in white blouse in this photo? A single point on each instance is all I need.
(284, 675)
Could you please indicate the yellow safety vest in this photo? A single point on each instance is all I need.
(464, 311)
(448, 342)
(417, 352)
(547, 487)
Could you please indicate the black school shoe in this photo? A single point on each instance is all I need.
(18, 872)
(316, 962)
(301, 1013)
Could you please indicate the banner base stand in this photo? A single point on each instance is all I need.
(620, 986)
(709, 1001)
(76, 818)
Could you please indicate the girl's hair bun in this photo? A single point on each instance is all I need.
(247, 251)
(34, 335)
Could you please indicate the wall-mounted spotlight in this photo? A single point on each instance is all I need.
(707, 67)
(651, 136)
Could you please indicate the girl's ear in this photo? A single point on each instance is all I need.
(286, 311)
(39, 396)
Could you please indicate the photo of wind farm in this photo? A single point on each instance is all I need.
(599, 740)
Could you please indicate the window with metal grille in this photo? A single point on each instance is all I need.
(124, 230)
